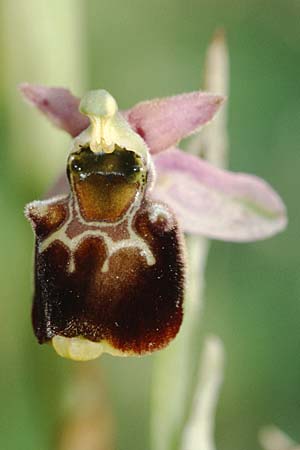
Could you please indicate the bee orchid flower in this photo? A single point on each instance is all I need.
(109, 264)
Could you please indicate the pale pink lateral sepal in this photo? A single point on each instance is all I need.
(217, 203)
(58, 104)
(163, 122)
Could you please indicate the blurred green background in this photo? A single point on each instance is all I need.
(137, 50)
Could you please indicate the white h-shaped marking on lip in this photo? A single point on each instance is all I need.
(134, 240)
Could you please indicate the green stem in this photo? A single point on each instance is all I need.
(176, 368)
(43, 44)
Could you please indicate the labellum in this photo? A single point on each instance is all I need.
(109, 270)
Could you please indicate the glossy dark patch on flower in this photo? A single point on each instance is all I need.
(105, 184)
(134, 306)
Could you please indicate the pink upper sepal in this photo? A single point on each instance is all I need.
(217, 203)
(58, 104)
(163, 122)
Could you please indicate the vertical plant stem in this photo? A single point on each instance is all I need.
(87, 423)
(43, 43)
(175, 368)
(199, 430)
(212, 142)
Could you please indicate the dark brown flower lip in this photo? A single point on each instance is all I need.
(134, 307)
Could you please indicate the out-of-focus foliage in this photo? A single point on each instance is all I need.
(136, 50)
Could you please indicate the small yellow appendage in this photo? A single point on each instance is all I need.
(77, 348)
(81, 349)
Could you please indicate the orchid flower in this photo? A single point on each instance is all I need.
(110, 266)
